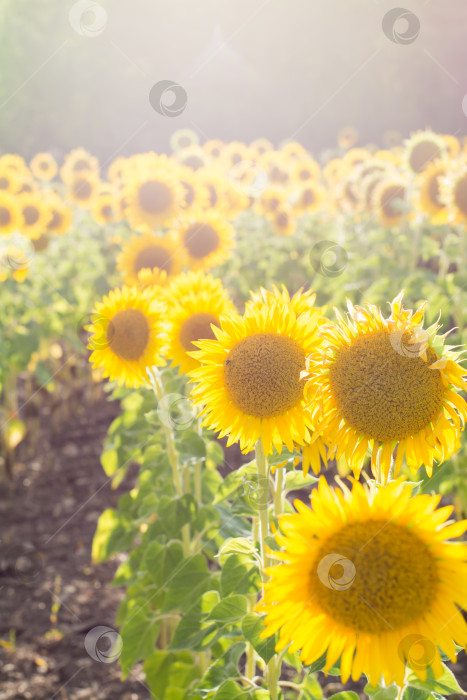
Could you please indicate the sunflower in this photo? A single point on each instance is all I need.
(196, 195)
(355, 156)
(10, 181)
(300, 302)
(116, 170)
(192, 157)
(192, 311)
(283, 221)
(333, 170)
(305, 171)
(429, 197)
(260, 146)
(453, 191)
(83, 188)
(44, 166)
(128, 335)
(310, 197)
(213, 148)
(347, 137)
(35, 214)
(10, 213)
(249, 379)
(234, 152)
(390, 200)
(422, 149)
(275, 166)
(292, 150)
(386, 383)
(105, 209)
(369, 576)
(452, 144)
(207, 238)
(183, 138)
(151, 252)
(14, 163)
(272, 200)
(152, 198)
(212, 186)
(61, 215)
(79, 162)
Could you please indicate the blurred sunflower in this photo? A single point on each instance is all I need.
(250, 381)
(207, 238)
(183, 138)
(10, 213)
(44, 166)
(105, 209)
(292, 150)
(195, 194)
(300, 302)
(354, 157)
(333, 170)
(452, 144)
(272, 200)
(79, 162)
(196, 302)
(83, 188)
(347, 137)
(305, 170)
(117, 169)
(390, 200)
(429, 197)
(366, 575)
(213, 148)
(283, 221)
(310, 197)
(61, 215)
(151, 252)
(423, 148)
(152, 198)
(192, 157)
(16, 164)
(386, 383)
(35, 214)
(260, 146)
(453, 193)
(10, 181)
(128, 335)
(233, 153)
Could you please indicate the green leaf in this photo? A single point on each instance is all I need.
(162, 561)
(237, 545)
(252, 626)
(191, 445)
(191, 633)
(112, 535)
(187, 585)
(139, 635)
(445, 685)
(238, 575)
(317, 665)
(229, 690)
(381, 692)
(345, 695)
(295, 480)
(223, 668)
(411, 693)
(230, 609)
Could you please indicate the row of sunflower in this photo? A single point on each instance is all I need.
(367, 580)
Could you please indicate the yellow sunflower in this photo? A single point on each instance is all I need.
(128, 335)
(271, 200)
(347, 137)
(390, 200)
(192, 157)
(196, 195)
(283, 221)
(333, 170)
(423, 148)
(79, 162)
(183, 138)
(452, 144)
(260, 146)
(116, 170)
(355, 156)
(15, 163)
(305, 170)
(83, 188)
(44, 166)
(151, 252)
(310, 197)
(35, 214)
(213, 148)
(453, 193)
(249, 380)
(207, 238)
(300, 302)
(10, 181)
(61, 215)
(152, 198)
(429, 196)
(369, 576)
(386, 383)
(106, 209)
(192, 313)
(10, 213)
(292, 150)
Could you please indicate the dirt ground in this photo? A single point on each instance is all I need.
(52, 598)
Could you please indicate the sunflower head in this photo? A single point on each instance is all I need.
(423, 148)
(35, 213)
(381, 384)
(390, 200)
(347, 137)
(83, 188)
(79, 162)
(206, 237)
(151, 252)
(250, 376)
(453, 193)
(10, 213)
(152, 194)
(365, 575)
(183, 138)
(44, 166)
(429, 197)
(128, 335)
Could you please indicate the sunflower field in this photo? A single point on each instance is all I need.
(281, 335)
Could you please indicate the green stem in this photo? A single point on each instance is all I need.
(172, 455)
(279, 492)
(272, 672)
